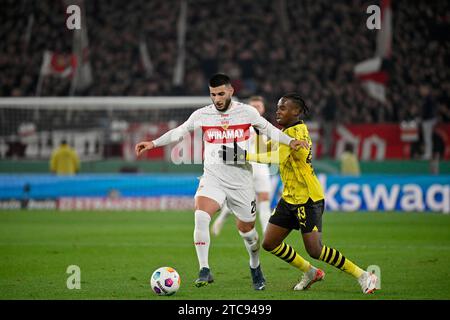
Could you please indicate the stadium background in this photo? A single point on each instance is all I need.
(136, 69)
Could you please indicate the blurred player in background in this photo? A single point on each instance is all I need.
(429, 119)
(302, 203)
(349, 163)
(224, 123)
(261, 177)
(64, 160)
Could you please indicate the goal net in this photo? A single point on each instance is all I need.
(97, 127)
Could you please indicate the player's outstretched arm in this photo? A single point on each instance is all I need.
(274, 133)
(167, 138)
(279, 155)
(276, 156)
(170, 136)
(143, 146)
(296, 144)
(238, 155)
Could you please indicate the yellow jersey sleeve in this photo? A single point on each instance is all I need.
(296, 171)
(282, 151)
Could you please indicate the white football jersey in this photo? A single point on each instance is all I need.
(225, 128)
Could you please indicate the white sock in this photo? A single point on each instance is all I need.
(264, 214)
(201, 237)
(251, 241)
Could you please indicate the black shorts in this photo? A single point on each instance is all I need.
(306, 217)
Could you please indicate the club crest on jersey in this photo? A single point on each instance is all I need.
(226, 133)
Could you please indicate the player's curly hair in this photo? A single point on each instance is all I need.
(298, 100)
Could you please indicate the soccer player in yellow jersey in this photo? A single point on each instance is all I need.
(302, 202)
(64, 160)
(349, 162)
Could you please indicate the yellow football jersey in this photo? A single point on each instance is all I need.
(64, 161)
(297, 173)
(349, 164)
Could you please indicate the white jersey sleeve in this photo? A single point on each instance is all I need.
(179, 132)
(267, 128)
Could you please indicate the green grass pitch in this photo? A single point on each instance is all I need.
(118, 251)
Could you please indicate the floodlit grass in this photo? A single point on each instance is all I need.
(118, 251)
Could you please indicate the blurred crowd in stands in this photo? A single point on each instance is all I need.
(307, 46)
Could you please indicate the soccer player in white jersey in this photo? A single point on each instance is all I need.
(261, 177)
(224, 123)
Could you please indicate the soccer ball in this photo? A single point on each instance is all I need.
(165, 281)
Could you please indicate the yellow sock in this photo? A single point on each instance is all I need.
(288, 254)
(335, 258)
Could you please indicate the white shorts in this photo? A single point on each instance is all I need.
(242, 202)
(261, 178)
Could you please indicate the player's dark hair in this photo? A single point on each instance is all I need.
(257, 98)
(219, 79)
(298, 100)
(348, 147)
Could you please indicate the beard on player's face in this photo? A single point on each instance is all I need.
(221, 96)
(222, 105)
